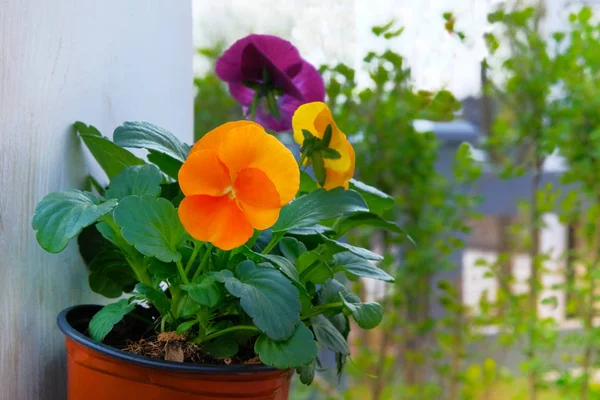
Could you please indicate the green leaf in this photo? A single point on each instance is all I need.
(291, 248)
(318, 166)
(186, 326)
(112, 158)
(110, 274)
(358, 266)
(162, 270)
(331, 290)
(282, 263)
(206, 290)
(60, 216)
(316, 206)
(272, 105)
(307, 134)
(267, 296)
(167, 164)
(151, 225)
(328, 335)
(307, 372)
(222, 347)
(335, 247)
(144, 135)
(311, 230)
(107, 232)
(307, 184)
(367, 219)
(375, 198)
(331, 154)
(366, 315)
(80, 127)
(157, 298)
(312, 268)
(104, 320)
(327, 137)
(300, 349)
(137, 180)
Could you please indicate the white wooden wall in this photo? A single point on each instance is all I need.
(101, 62)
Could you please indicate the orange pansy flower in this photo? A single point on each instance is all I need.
(315, 117)
(236, 179)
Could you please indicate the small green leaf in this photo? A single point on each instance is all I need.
(335, 247)
(298, 350)
(291, 248)
(144, 135)
(110, 274)
(272, 105)
(321, 204)
(282, 263)
(267, 296)
(206, 290)
(328, 335)
(331, 154)
(318, 165)
(104, 320)
(186, 326)
(222, 347)
(366, 315)
(331, 290)
(112, 158)
(151, 225)
(157, 298)
(327, 137)
(60, 216)
(137, 180)
(358, 266)
(312, 268)
(307, 372)
(375, 198)
(367, 219)
(162, 270)
(307, 134)
(167, 164)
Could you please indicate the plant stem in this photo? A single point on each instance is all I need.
(274, 240)
(197, 247)
(203, 262)
(182, 272)
(319, 309)
(231, 329)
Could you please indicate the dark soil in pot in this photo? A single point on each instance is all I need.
(136, 334)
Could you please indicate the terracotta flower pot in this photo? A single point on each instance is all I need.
(98, 372)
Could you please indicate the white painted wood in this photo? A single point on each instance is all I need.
(101, 62)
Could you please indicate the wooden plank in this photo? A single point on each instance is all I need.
(102, 62)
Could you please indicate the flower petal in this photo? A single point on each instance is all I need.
(244, 59)
(258, 197)
(252, 186)
(217, 220)
(335, 179)
(315, 117)
(249, 146)
(241, 93)
(204, 173)
(212, 139)
(260, 218)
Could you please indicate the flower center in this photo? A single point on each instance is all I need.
(229, 192)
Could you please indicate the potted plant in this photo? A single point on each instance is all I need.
(222, 255)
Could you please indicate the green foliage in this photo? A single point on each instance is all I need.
(60, 216)
(152, 226)
(104, 320)
(138, 180)
(298, 350)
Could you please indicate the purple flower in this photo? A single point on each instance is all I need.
(273, 67)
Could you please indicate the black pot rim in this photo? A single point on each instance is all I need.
(75, 335)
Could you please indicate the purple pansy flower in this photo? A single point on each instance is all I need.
(296, 81)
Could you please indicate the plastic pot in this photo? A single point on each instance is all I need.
(99, 372)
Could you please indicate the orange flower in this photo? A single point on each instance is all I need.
(236, 179)
(315, 117)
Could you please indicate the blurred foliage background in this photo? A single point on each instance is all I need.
(540, 99)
